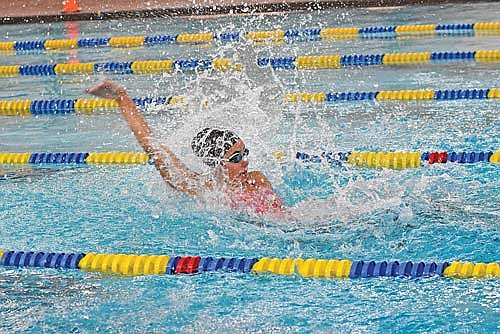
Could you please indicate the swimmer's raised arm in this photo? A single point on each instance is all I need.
(134, 118)
(142, 132)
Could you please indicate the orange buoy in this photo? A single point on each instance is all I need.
(70, 6)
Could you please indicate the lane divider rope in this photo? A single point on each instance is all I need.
(399, 95)
(130, 67)
(75, 158)
(226, 64)
(339, 61)
(135, 265)
(395, 160)
(333, 33)
(89, 106)
(70, 106)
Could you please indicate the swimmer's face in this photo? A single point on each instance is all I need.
(236, 170)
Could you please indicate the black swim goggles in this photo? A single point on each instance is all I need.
(238, 156)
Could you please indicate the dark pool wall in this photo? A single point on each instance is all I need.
(52, 10)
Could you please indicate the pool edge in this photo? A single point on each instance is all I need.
(169, 8)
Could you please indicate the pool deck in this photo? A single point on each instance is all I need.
(43, 11)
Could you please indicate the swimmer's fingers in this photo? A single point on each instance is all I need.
(106, 89)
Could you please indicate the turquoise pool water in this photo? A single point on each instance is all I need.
(436, 213)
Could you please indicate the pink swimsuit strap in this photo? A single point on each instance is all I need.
(262, 200)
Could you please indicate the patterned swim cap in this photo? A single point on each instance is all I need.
(211, 144)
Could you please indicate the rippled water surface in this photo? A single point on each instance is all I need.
(447, 212)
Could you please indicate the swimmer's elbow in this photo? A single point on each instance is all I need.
(184, 187)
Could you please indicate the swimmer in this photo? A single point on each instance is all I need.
(6, 175)
(222, 150)
(26, 173)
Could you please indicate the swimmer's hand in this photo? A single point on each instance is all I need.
(106, 90)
